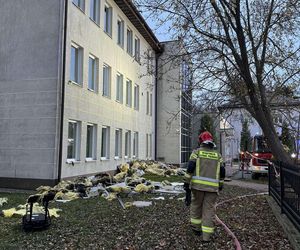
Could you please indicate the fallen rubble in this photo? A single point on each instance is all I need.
(127, 180)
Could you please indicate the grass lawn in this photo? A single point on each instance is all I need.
(96, 223)
(172, 178)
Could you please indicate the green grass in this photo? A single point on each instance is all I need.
(96, 223)
(172, 178)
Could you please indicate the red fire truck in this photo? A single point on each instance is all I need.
(260, 154)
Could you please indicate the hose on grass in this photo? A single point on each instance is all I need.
(228, 231)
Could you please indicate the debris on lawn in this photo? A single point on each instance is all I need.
(3, 201)
(142, 203)
(128, 180)
(21, 211)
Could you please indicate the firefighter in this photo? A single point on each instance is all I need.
(205, 177)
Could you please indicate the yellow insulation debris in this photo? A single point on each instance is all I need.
(66, 196)
(120, 176)
(22, 211)
(142, 188)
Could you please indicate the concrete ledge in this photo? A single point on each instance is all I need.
(290, 230)
(22, 183)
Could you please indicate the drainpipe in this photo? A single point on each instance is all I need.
(157, 55)
(63, 91)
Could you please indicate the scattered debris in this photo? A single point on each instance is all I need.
(159, 198)
(21, 211)
(142, 203)
(3, 201)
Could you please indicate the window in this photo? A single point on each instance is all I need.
(137, 49)
(148, 146)
(79, 4)
(73, 150)
(76, 64)
(120, 25)
(119, 88)
(128, 92)
(150, 104)
(93, 73)
(95, 11)
(127, 144)
(136, 97)
(105, 143)
(118, 144)
(91, 140)
(107, 19)
(147, 104)
(135, 145)
(129, 42)
(106, 80)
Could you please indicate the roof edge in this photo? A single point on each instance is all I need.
(150, 37)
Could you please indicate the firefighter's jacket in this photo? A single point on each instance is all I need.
(205, 172)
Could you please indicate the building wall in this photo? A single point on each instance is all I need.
(30, 48)
(169, 105)
(91, 107)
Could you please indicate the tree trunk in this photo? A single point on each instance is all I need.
(272, 138)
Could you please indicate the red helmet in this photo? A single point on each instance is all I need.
(206, 137)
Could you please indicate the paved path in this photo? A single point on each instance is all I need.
(246, 184)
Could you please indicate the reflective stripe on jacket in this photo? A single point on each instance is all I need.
(206, 176)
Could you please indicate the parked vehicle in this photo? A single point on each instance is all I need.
(261, 153)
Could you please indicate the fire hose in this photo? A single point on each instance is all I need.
(228, 231)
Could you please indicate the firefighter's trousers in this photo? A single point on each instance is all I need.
(202, 212)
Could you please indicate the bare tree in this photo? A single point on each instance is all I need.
(243, 51)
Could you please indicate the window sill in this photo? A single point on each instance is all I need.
(121, 46)
(79, 8)
(75, 83)
(91, 90)
(118, 158)
(108, 97)
(104, 159)
(72, 161)
(95, 22)
(129, 106)
(90, 160)
(121, 102)
(109, 35)
(127, 157)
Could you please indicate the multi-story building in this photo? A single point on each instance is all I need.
(174, 104)
(76, 97)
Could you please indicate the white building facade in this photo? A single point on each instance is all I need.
(76, 96)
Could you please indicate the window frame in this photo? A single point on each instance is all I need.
(93, 157)
(119, 87)
(80, 5)
(105, 155)
(128, 93)
(108, 19)
(137, 49)
(120, 35)
(135, 143)
(106, 66)
(78, 70)
(127, 153)
(136, 100)
(118, 146)
(129, 41)
(76, 143)
(95, 73)
(95, 11)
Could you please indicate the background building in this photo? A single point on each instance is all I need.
(174, 104)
